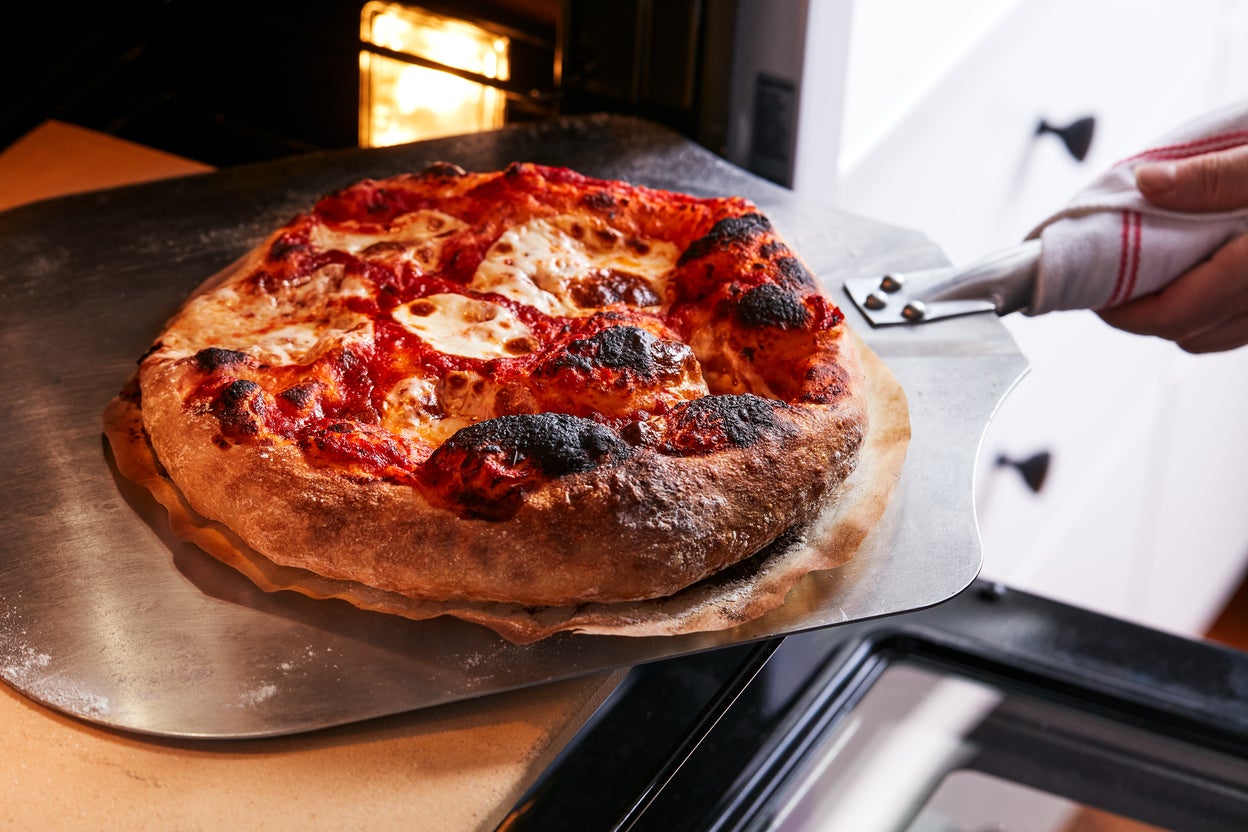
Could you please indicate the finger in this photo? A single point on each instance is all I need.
(1226, 336)
(1205, 297)
(1209, 182)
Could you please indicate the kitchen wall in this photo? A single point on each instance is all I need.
(930, 123)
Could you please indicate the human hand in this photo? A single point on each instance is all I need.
(1206, 308)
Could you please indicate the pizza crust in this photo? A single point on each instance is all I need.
(731, 598)
(604, 535)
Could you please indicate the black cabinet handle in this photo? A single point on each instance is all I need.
(1077, 136)
(1033, 469)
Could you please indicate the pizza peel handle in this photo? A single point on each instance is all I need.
(1002, 283)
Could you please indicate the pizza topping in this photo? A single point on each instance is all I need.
(509, 345)
(608, 286)
(272, 321)
(572, 265)
(415, 411)
(464, 326)
(415, 237)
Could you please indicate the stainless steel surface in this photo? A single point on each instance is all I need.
(104, 616)
(1002, 283)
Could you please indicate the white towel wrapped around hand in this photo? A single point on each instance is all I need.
(1109, 245)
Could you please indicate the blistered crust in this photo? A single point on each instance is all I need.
(642, 527)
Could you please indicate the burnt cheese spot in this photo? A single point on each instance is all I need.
(724, 233)
(216, 358)
(383, 248)
(774, 306)
(713, 422)
(612, 286)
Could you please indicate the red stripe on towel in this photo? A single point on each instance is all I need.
(1209, 144)
(1137, 222)
(1129, 258)
(1122, 259)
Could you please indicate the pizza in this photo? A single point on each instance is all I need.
(514, 391)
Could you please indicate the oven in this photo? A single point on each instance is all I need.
(995, 710)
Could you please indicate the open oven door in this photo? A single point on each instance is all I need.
(998, 710)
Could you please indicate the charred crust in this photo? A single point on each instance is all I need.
(301, 395)
(237, 407)
(159, 345)
(773, 249)
(726, 232)
(598, 201)
(626, 348)
(712, 422)
(556, 444)
(211, 359)
(284, 246)
(237, 392)
(771, 305)
(794, 273)
(444, 170)
(825, 384)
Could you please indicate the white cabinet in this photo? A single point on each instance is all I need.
(1145, 512)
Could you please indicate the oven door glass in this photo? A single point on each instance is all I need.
(926, 750)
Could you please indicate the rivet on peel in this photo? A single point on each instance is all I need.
(892, 283)
(915, 310)
(874, 302)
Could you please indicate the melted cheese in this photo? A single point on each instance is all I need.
(284, 327)
(539, 262)
(467, 327)
(413, 411)
(416, 237)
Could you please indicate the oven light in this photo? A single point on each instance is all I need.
(403, 101)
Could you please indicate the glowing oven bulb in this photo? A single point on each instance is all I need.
(403, 102)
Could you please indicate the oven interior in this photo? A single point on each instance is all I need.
(234, 82)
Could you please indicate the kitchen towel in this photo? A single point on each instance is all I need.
(1109, 245)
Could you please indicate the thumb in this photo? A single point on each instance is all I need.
(1210, 182)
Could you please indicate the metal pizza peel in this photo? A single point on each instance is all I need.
(105, 616)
